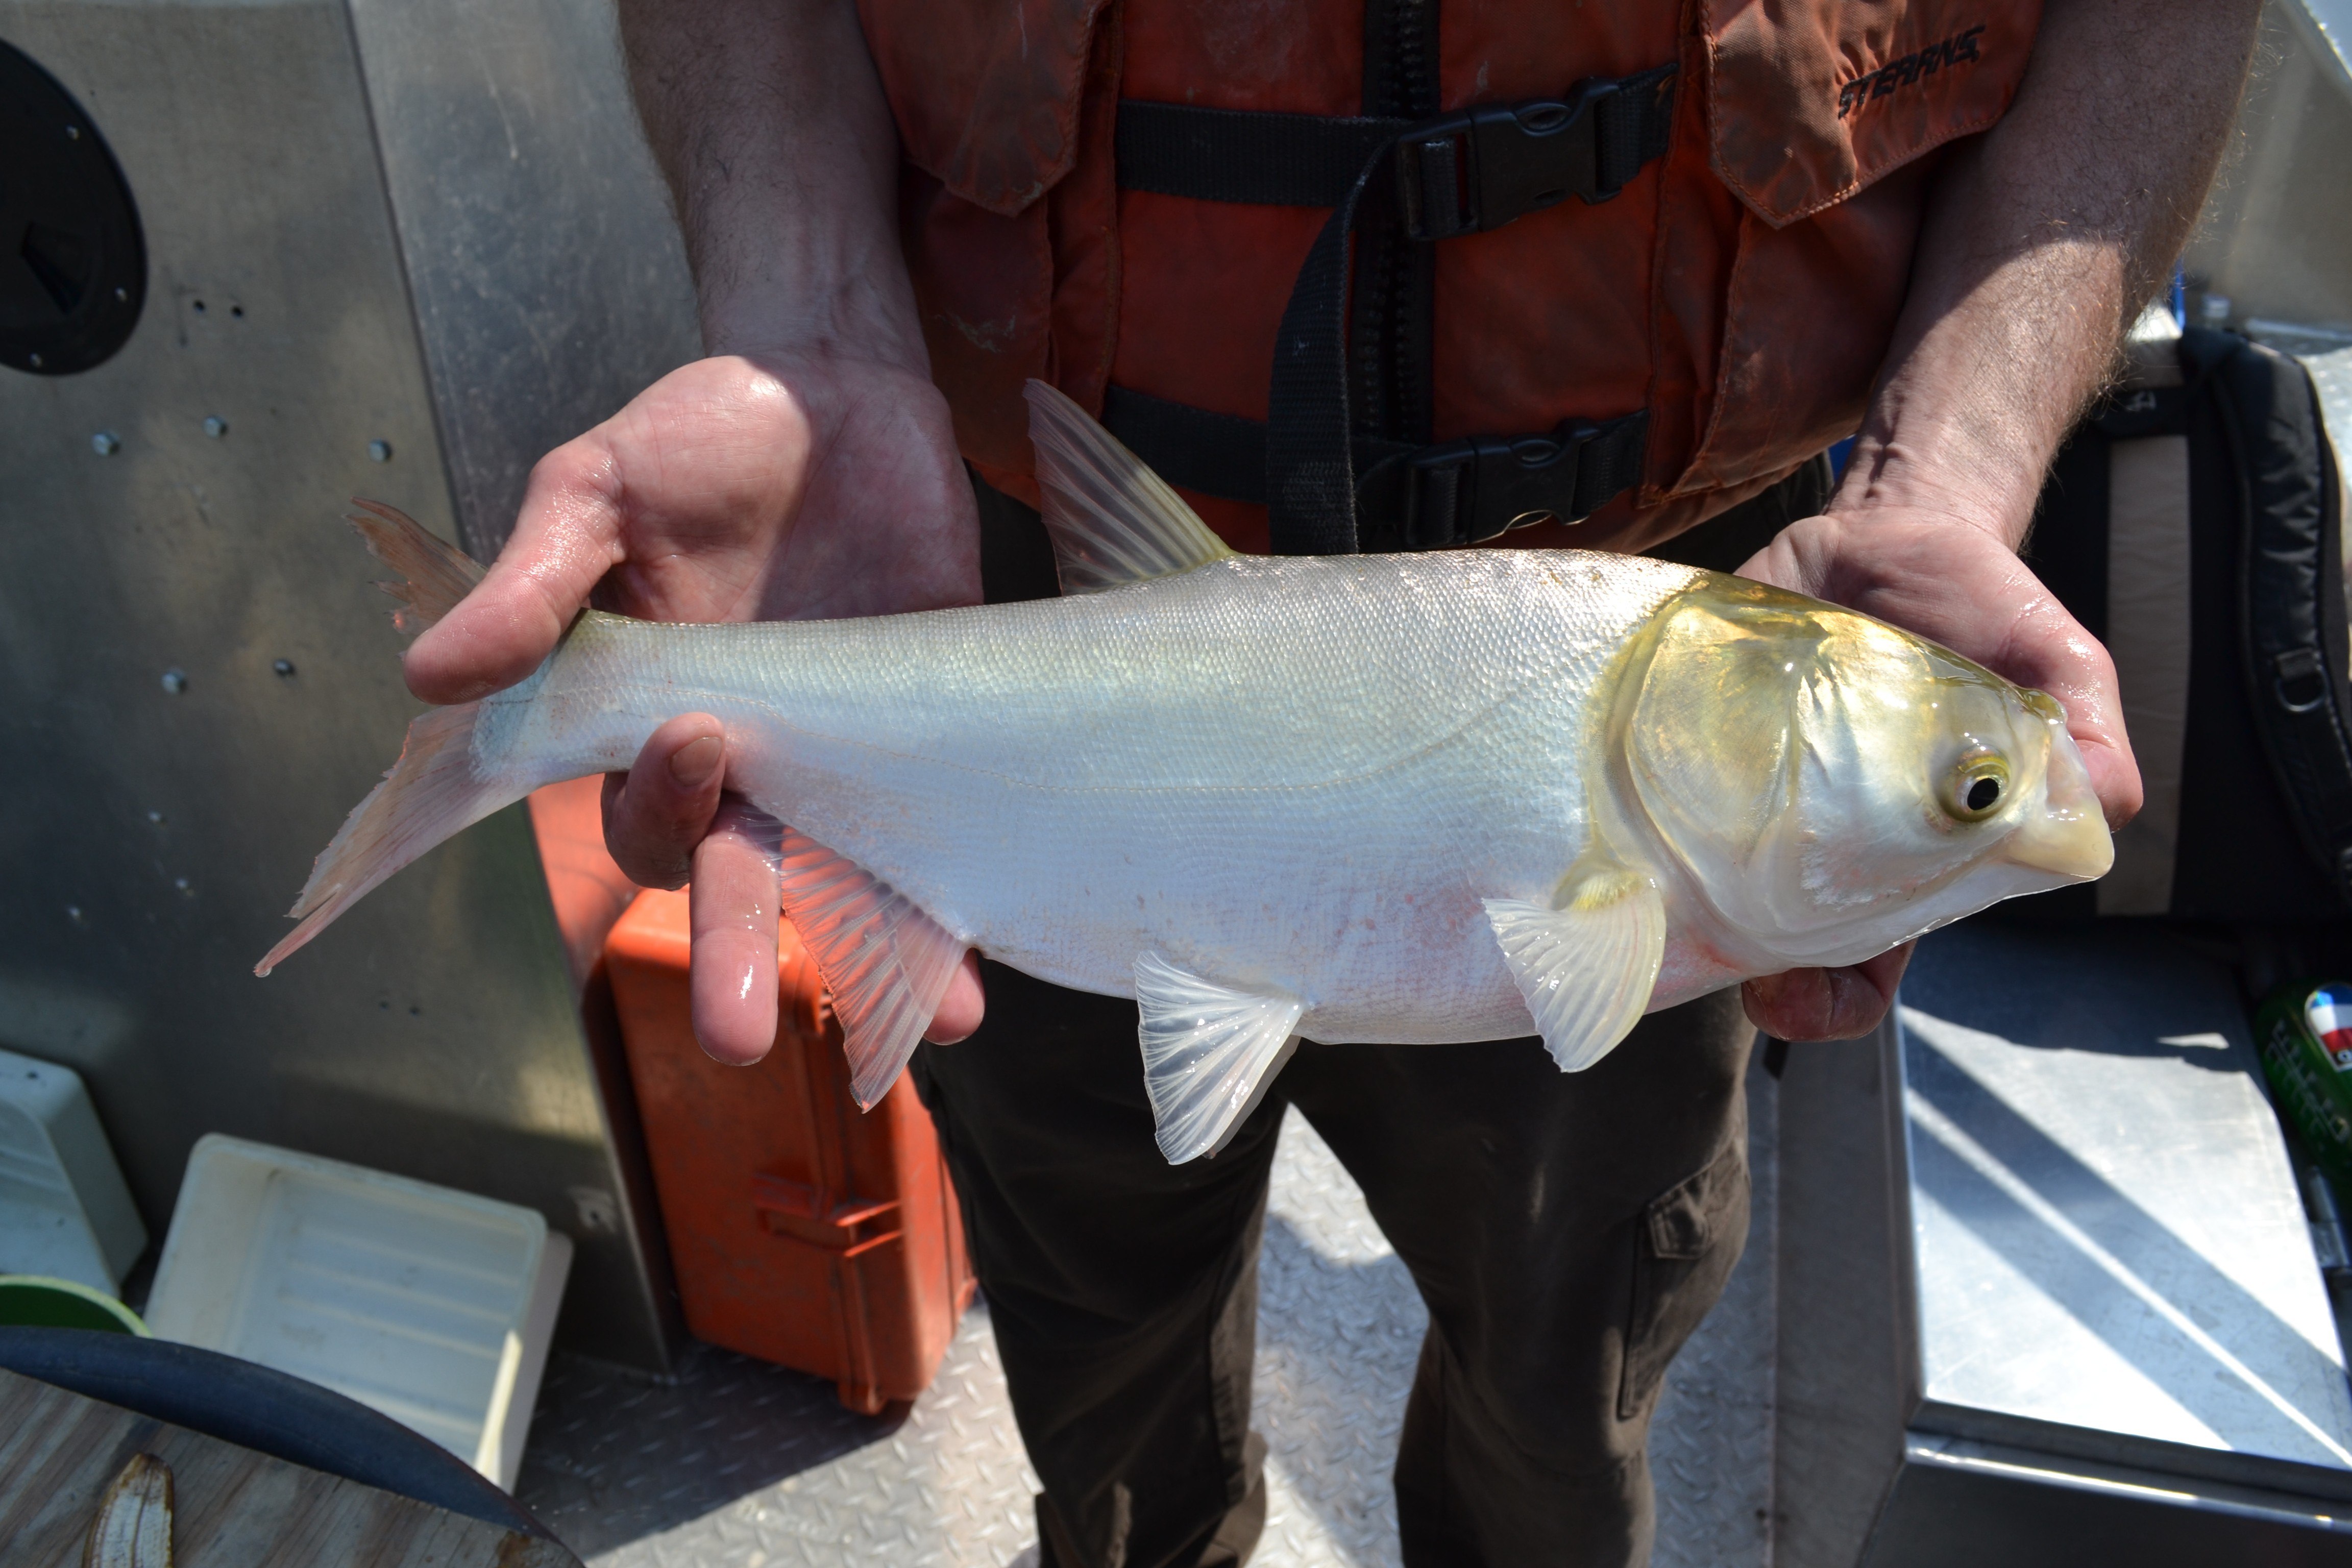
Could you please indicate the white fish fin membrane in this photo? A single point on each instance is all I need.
(1587, 970)
(885, 962)
(431, 794)
(1112, 519)
(434, 575)
(1209, 1052)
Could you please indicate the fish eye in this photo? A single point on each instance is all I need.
(1975, 786)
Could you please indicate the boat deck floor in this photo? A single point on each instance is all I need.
(737, 1464)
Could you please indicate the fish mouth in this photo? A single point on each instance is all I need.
(2068, 839)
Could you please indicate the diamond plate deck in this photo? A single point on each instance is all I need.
(740, 1465)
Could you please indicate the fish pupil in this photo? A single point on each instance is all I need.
(1982, 793)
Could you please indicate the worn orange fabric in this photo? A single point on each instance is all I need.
(986, 92)
(1816, 99)
(1742, 288)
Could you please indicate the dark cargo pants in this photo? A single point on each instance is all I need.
(1566, 1231)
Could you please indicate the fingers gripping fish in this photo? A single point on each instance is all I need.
(1403, 799)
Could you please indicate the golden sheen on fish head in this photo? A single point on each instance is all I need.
(1832, 785)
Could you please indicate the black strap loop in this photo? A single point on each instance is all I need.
(1411, 498)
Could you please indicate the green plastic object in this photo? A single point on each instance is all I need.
(36, 1301)
(2304, 1031)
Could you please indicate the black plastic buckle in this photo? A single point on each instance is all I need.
(1466, 492)
(1487, 165)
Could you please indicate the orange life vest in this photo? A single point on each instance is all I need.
(1413, 279)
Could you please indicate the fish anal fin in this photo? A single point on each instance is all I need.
(886, 963)
(1587, 961)
(1209, 1052)
(433, 574)
(1111, 518)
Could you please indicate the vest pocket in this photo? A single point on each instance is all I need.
(986, 92)
(1687, 1241)
(1810, 100)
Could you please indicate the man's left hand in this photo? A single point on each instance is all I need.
(1956, 583)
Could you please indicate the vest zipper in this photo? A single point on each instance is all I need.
(1394, 279)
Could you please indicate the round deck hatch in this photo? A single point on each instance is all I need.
(73, 264)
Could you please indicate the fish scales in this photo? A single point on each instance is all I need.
(1296, 772)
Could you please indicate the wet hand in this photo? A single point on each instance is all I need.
(761, 485)
(668, 822)
(1955, 581)
(738, 488)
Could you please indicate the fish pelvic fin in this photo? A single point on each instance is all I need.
(886, 963)
(433, 575)
(1209, 1053)
(1587, 960)
(1112, 519)
(433, 792)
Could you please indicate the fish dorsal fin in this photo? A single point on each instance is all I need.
(886, 963)
(433, 575)
(1208, 1053)
(1587, 960)
(1112, 519)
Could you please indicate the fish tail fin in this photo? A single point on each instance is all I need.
(435, 791)
(433, 574)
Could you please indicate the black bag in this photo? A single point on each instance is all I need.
(2193, 525)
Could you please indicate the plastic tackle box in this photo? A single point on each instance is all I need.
(433, 1306)
(804, 1231)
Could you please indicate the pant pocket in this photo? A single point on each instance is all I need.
(1689, 1239)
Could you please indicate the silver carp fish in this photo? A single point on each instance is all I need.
(1405, 799)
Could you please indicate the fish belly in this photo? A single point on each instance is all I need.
(1286, 774)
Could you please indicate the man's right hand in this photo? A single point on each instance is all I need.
(735, 488)
(806, 469)
(759, 486)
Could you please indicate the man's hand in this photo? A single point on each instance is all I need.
(2045, 237)
(739, 488)
(807, 468)
(1963, 587)
(1958, 584)
(735, 488)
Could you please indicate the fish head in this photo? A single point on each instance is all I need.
(1835, 786)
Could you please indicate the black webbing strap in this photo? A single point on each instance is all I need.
(1432, 179)
(1466, 492)
(1411, 498)
(1457, 174)
(1216, 454)
(1234, 155)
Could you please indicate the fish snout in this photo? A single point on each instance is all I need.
(2068, 837)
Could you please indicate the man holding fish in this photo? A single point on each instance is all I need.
(1323, 264)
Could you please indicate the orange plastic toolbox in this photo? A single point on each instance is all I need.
(804, 1231)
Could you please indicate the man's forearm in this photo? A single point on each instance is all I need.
(770, 123)
(2045, 237)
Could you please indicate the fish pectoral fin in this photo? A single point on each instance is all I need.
(886, 963)
(1588, 961)
(1112, 519)
(1208, 1053)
